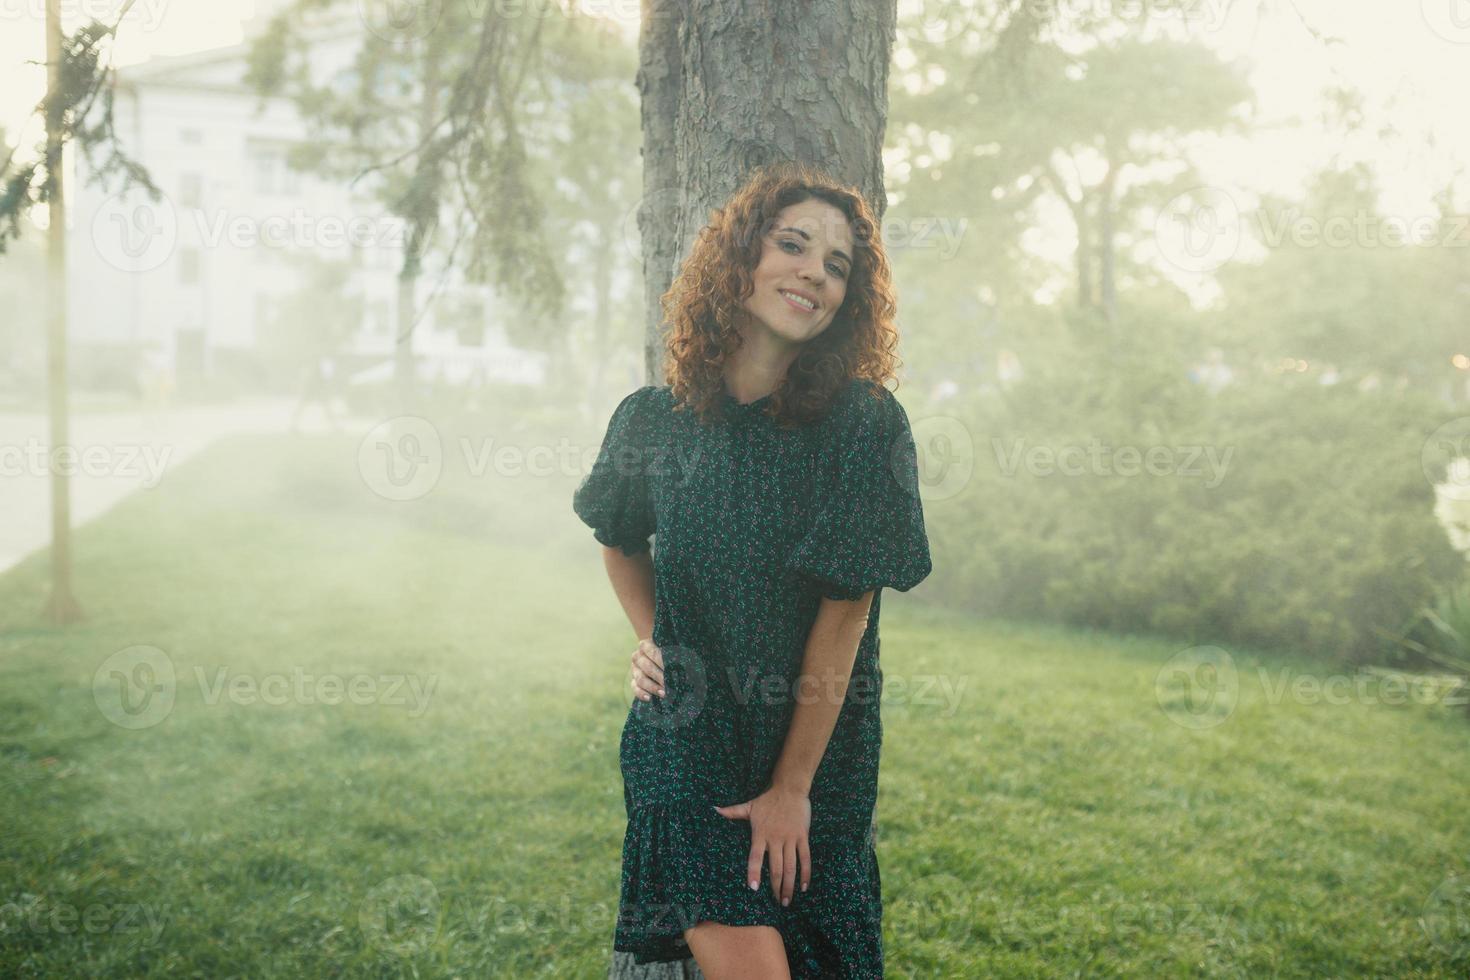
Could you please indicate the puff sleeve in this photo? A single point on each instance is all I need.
(614, 499)
(868, 532)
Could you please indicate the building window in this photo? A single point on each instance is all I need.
(188, 265)
(272, 174)
(191, 190)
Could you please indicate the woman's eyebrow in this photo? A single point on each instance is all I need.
(836, 251)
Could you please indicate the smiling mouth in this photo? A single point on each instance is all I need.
(798, 303)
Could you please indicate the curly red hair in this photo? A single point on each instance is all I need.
(703, 305)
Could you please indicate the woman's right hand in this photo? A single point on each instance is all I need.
(648, 671)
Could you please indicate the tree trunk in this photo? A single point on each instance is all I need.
(660, 85)
(1106, 244)
(1084, 256)
(61, 606)
(403, 368)
(602, 308)
(726, 87)
(416, 243)
(1079, 208)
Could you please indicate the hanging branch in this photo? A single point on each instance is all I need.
(85, 80)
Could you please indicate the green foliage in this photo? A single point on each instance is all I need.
(1450, 617)
(1439, 632)
(1280, 513)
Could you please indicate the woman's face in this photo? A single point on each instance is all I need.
(807, 254)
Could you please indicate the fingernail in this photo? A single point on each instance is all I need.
(754, 885)
(785, 902)
(660, 692)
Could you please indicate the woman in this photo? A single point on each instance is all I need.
(780, 477)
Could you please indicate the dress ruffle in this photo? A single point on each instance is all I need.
(682, 867)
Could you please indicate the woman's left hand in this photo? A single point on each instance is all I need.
(780, 820)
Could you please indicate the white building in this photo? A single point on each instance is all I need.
(195, 278)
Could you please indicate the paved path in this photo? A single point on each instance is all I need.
(117, 453)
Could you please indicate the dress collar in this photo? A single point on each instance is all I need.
(744, 408)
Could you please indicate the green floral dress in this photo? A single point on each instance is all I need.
(755, 525)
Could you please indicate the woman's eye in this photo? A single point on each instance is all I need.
(832, 267)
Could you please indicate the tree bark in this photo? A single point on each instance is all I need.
(660, 84)
(726, 87)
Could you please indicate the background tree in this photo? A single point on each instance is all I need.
(588, 174)
(1343, 284)
(431, 111)
(1116, 118)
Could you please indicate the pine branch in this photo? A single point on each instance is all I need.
(84, 78)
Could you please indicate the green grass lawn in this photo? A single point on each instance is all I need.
(1041, 813)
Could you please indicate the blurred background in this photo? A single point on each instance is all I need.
(309, 684)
